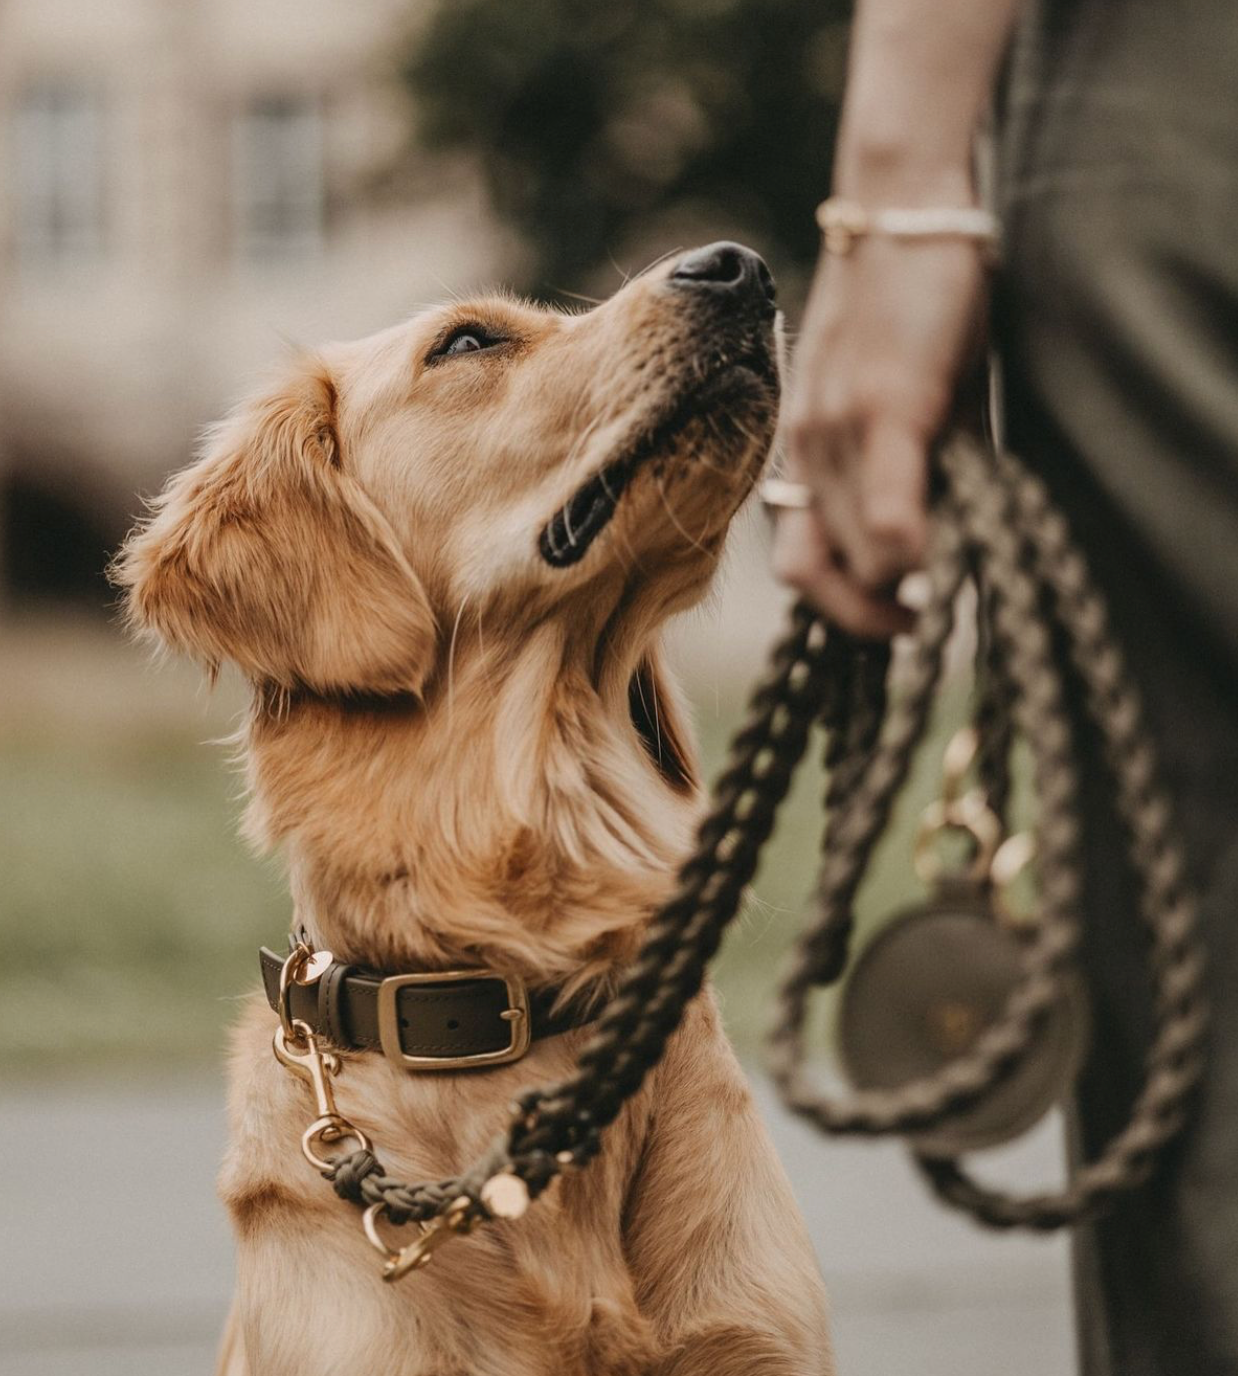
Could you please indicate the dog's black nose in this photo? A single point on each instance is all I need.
(726, 268)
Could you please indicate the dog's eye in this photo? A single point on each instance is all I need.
(467, 339)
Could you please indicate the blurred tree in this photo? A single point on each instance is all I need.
(606, 128)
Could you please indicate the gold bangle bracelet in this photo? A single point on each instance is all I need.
(843, 223)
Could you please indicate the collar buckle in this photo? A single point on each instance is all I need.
(516, 1015)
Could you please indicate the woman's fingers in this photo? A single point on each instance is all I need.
(867, 528)
(884, 336)
(886, 483)
(803, 558)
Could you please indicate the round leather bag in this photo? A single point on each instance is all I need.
(922, 991)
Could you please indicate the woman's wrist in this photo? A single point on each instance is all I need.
(896, 174)
(919, 84)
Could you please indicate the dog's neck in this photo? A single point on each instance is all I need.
(512, 818)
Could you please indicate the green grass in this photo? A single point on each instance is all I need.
(130, 912)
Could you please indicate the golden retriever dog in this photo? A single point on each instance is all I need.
(443, 556)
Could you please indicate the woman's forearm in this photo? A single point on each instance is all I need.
(888, 327)
(919, 80)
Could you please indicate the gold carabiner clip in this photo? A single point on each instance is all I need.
(296, 1046)
(399, 1262)
(317, 1066)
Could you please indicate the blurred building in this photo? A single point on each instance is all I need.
(187, 187)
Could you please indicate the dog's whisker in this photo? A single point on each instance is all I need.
(629, 556)
(699, 454)
(661, 258)
(657, 723)
(579, 296)
(624, 275)
(581, 440)
(451, 663)
(451, 293)
(651, 710)
(699, 457)
(693, 540)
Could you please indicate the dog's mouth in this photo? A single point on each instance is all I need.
(570, 533)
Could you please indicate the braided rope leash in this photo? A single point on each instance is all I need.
(1008, 531)
(994, 519)
(557, 1128)
(1174, 1060)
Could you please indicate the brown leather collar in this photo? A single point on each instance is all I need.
(445, 1020)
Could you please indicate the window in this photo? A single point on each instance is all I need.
(58, 173)
(280, 194)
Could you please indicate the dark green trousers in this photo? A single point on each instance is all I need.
(1117, 316)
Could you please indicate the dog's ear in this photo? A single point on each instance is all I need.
(267, 553)
(660, 715)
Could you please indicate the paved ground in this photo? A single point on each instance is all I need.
(115, 1259)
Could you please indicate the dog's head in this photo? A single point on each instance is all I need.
(491, 455)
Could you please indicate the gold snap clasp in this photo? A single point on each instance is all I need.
(399, 1262)
(330, 1127)
(969, 815)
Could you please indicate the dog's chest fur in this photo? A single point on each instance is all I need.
(553, 1292)
(516, 827)
(518, 823)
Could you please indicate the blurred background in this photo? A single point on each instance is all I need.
(188, 188)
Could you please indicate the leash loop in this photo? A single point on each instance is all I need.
(1021, 550)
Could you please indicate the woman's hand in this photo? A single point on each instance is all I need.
(886, 333)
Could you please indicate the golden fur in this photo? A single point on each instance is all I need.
(471, 757)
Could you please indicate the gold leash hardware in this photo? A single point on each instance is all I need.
(398, 1262)
(956, 762)
(969, 814)
(317, 1066)
(997, 859)
(296, 1047)
(303, 966)
(1014, 856)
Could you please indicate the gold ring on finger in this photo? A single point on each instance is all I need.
(783, 495)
